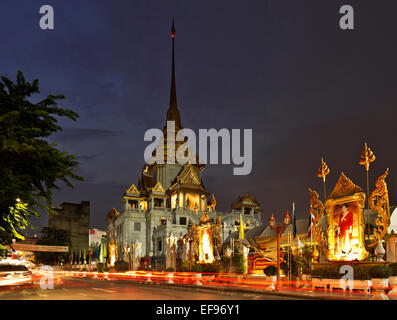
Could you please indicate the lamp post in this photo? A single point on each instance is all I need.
(278, 229)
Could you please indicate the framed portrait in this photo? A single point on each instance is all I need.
(345, 231)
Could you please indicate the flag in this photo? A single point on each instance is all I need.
(104, 250)
(79, 256)
(84, 256)
(241, 231)
(294, 219)
(101, 253)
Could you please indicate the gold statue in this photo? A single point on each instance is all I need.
(379, 202)
(217, 236)
(211, 207)
(317, 210)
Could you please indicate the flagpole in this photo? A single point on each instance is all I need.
(367, 156)
(289, 258)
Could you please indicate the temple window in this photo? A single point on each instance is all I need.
(163, 221)
(182, 221)
(192, 201)
(132, 204)
(174, 200)
(158, 202)
(247, 210)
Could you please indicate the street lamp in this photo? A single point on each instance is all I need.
(279, 229)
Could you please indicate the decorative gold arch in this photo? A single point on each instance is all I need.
(379, 202)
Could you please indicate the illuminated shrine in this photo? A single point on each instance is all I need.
(346, 236)
(206, 239)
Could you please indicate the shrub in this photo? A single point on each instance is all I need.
(239, 263)
(393, 267)
(100, 267)
(215, 267)
(121, 265)
(361, 272)
(184, 266)
(170, 269)
(270, 271)
(327, 271)
(197, 268)
(225, 264)
(380, 272)
(294, 264)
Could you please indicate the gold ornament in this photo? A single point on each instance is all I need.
(317, 210)
(367, 156)
(379, 202)
(323, 170)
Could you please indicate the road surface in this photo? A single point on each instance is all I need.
(89, 289)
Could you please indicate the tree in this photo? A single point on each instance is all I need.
(53, 237)
(293, 263)
(30, 166)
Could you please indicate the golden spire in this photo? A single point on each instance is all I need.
(367, 156)
(173, 112)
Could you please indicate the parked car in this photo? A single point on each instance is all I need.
(14, 274)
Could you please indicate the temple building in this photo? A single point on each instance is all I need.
(167, 198)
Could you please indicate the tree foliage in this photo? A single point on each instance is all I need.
(30, 166)
(53, 237)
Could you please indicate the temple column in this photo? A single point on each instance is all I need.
(152, 203)
(184, 199)
(165, 202)
(200, 201)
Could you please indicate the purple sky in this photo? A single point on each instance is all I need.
(283, 68)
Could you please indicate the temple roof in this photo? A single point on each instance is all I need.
(245, 201)
(188, 177)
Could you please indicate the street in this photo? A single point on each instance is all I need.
(89, 289)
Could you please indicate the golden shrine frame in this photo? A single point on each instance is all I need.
(357, 243)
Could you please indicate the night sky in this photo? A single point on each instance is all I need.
(283, 68)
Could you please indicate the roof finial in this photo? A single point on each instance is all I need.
(173, 85)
